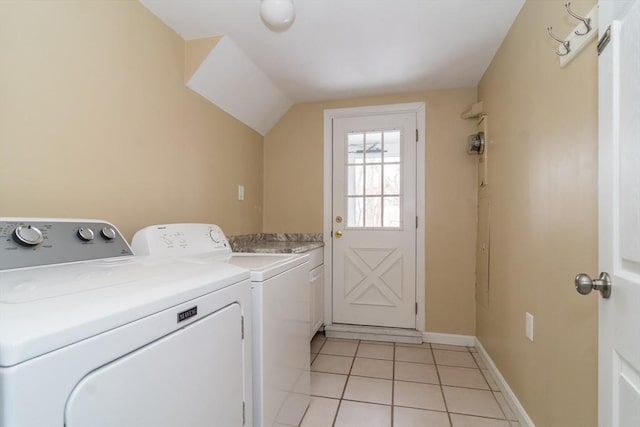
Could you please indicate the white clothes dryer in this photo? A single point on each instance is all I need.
(92, 336)
(281, 313)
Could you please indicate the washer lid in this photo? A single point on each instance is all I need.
(265, 266)
(261, 266)
(45, 308)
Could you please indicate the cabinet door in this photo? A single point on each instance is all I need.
(317, 298)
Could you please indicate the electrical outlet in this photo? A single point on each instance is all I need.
(528, 325)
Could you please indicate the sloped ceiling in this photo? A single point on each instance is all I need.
(230, 80)
(336, 49)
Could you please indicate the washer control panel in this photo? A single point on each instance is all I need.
(180, 240)
(29, 242)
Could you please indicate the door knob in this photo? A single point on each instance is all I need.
(584, 284)
(338, 234)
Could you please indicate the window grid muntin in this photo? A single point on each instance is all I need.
(358, 157)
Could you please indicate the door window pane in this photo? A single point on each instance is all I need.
(392, 146)
(355, 148)
(373, 177)
(355, 212)
(374, 172)
(355, 180)
(373, 212)
(373, 147)
(391, 217)
(392, 179)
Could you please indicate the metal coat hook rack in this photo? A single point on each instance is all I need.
(585, 21)
(577, 39)
(566, 44)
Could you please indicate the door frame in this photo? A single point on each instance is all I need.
(419, 109)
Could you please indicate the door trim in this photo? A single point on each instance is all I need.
(419, 109)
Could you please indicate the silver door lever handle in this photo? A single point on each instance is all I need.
(584, 284)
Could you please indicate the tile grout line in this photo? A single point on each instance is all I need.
(506, 417)
(481, 373)
(484, 417)
(493, 393)
(447, 385)
(444, 400)
(344, 389)
(393, 382)
(310, 363)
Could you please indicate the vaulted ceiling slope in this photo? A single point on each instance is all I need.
(346, 48)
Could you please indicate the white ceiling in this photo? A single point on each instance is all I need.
(345, 48)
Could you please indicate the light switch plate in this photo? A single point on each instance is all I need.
(240, 192)
(528, 320)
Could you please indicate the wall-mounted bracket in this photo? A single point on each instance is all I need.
(580, 36)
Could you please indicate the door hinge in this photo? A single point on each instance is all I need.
(416, 308)
(242, 326)
(416, 135)
(244, 420)
(604, 40)
(416, 221)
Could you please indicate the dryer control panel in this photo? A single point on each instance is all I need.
(30, 242)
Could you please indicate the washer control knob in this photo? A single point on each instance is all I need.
(27, 235)
(85, 234)
(108, 233)
(214, 235)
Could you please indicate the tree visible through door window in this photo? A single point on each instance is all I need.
(373, 179)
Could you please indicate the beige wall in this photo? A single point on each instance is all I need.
(293, 174)
(95, 121)
(543, 193)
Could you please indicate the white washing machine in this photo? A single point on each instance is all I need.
(281, 317)
(92, 336)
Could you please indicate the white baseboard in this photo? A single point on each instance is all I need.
(451, 339)
(513, 401)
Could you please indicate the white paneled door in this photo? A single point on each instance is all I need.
(374, 220)
(619, 201)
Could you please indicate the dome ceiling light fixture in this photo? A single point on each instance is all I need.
(278, 15)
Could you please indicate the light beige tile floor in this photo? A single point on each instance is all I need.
(366, 384)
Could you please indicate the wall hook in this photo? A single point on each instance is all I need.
(585, 21)
(565, 43)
